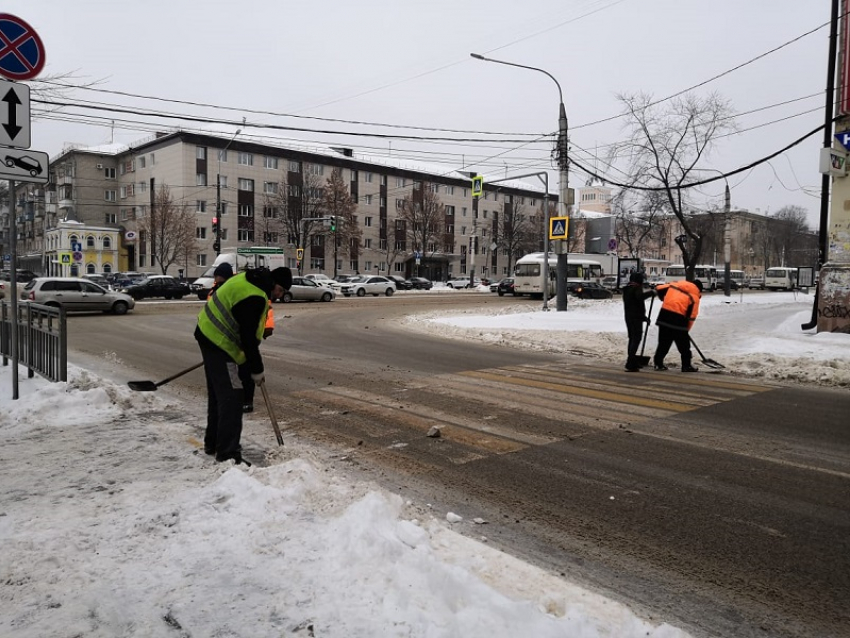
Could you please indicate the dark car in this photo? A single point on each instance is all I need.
(158, 286)
(589, 290)
(420, 283)
(400, 282)
(503, 287)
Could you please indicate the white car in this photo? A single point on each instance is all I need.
(321, 279)
(461, 282)
(303, 289)
(367, 285)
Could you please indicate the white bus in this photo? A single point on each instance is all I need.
(527, 273)
(780, 278)
(707, 275)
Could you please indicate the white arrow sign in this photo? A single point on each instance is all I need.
(14, 114)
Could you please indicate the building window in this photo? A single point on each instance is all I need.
(367, 177)
(107, 243)
(399, 204)
(270, 212)
(246, 235)
(223, 210)
(294, 167)
(246, 210)
(450, 190)
(383, 180)
(270, 188)
(222, 181)
(269, 162)
(246, 159)
(141, 161)
(200, 206)
(109, 173)
(246, 184)
(222, 155)
(435, 188)
(293, 190)
(367, 243)
(202, 260)
(399, 182)
(201, 152)
(90, 241)
(201, 179)
(200, 232)
(367, 199)
(463, 211)
(450, 211)
(316, 169)
(383, 202)
(270, 238)
(111, 218)
(109, 196)
(367, 221)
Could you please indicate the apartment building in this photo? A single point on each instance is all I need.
(115, 188)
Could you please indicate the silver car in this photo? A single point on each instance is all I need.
(363, 285)
(304, 289)
(75, 294)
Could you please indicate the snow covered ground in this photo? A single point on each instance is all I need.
(113, 524)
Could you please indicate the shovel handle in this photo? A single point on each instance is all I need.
(271, 414)
(180, 374)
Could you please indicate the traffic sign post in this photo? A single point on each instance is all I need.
(15, 115)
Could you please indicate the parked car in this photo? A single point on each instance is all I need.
(100, 280)
(400, 282)
(76, 294)
(158, 286)
(21, 276)
(420, 283)
(363, 285)
(321, 279)
(460, 282)
(756, 282)
(589, 290)
(303, 289)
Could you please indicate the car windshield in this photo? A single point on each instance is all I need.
(356, 280)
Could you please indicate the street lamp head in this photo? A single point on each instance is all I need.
(477, 56)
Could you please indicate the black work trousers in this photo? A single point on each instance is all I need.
(634, 327)
(667, 336)
(224, 403)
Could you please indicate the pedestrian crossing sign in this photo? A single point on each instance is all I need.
(558, 227)
(65, 258)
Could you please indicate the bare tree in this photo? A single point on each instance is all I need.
(424, 219)
(665, 147)
(338, 202)
(790, 234)
(517, 234)
(298, 204)
(170, 229)
(640, 224)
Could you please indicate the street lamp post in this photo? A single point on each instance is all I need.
(217, 243)
(563, 165)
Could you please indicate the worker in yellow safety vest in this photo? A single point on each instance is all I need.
(230, 328)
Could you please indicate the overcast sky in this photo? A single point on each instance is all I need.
(407, 63)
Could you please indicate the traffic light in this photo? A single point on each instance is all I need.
(333, 223)
(217, 246)
(215, 224)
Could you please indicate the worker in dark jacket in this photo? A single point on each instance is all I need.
(229, 331)
(634, 304)
(675, 319)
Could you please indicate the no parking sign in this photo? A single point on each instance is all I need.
(21, 50)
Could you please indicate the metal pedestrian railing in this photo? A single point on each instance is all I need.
(42, 339)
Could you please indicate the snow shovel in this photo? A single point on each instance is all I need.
(711, 363)
(643, 361)
(271, 414)
(150, 386)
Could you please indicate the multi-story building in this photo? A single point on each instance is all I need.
(108, 188)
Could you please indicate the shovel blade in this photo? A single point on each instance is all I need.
(642, 361)
(142, 386)
(711, 363)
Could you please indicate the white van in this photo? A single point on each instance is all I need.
(243, 258)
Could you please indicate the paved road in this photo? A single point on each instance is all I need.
(715, 503)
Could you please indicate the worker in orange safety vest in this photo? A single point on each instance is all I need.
(675, 319)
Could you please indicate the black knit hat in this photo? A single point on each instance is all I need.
(636, 278)
(282, 277)
(223, 270)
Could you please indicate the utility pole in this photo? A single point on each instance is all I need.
(217, 241)
(473, 241)
(727, 244)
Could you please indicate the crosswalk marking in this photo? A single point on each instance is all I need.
(510, 407)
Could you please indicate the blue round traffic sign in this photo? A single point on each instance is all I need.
(21, 50)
